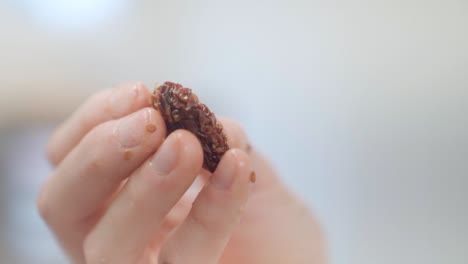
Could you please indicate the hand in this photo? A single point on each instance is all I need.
(118, 193)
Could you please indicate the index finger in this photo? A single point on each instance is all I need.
(103, 106)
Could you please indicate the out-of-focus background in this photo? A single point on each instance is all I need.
(362, 105)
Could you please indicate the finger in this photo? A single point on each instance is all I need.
(89, 175)
(182, 207)
(137, 214)
(201, 238)
(237, 138)
(103, 106)
(265, 172)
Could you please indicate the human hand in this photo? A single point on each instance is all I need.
(118, 193)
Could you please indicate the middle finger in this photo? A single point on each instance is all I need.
(138, 212)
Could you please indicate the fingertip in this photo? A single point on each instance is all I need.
(191, 147)
(242, 161)
(241, 157)
(103, 106)
(155, 122)
(127, 97)
(144, 94)
(232, 175)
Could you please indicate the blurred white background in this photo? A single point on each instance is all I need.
(362, 105)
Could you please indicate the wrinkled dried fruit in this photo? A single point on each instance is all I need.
(181, 109)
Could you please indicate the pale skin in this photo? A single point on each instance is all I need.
(118, 193)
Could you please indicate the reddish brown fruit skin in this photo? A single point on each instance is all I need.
(181, 109)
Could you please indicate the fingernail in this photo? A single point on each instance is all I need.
(131, 129)
(165, 159)
(223, 177)
(122, 98)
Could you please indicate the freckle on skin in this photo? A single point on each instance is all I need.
(151, 128)
(127, 155)
(253, 177)
(107, 109)
(248, 148)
